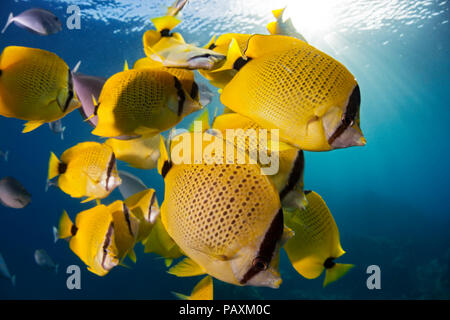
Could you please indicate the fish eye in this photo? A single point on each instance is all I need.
(260, 264)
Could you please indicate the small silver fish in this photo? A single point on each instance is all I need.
(36, 20)
(4, 272)
(57, 127)
(13, 194)
(87, 87)
(44, 261)
(4, 155)
(130, 184)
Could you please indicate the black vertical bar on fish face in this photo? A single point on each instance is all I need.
(295, 175)
(70, 94)
(126, 214)
(350, 114)
(106, 243)
(152, 201)
(181, 95)
(111, 164)
(267, 247)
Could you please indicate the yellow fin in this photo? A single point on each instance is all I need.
(204, 118)
(272, 27)
(202, 291)
(65, 226)
(164, 155)
(233, 54)
(132, 255)
(186, 268)
(32, 125)
(89, 199)
(278, 13)
(336, 272)
(53, 166)
(98, 202)
(168, 262)
(166, 22)
(210, 43)
(125, 66)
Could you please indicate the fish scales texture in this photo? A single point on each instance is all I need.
(290, 78)
(219, 208)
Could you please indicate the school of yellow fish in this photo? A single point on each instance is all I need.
(227, 220)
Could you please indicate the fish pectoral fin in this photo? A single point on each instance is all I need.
(132, 255)
(336, 272)
(187, 268)
(202, 291)
(168, 262)
(32, 125)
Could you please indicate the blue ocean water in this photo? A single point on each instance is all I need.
(389, 198)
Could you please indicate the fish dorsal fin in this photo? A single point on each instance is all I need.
(278, 13)
(202, 291)
(187, 268)
(259, 45)
(210, 43)
(336, 272)
(166, 22)
(272, 27)
(204, 119)
(125, 66)
(233, 55)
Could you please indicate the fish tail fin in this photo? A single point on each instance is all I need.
(278, 13)
(234, 53)
(65, 228)
(336, 272)
(166, 22)
(32, 125)
(53, 166)
(168, 262)
(8, 22)
(272, 27)
(13, 280)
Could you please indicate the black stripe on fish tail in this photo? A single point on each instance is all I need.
(194, 91)
(165, 169)
(329, 263)
(165, 33)
(239, 63)
(73, 230)
(111, 164)
(106, 243)
(70, 94)
(350, 114)
(181, 95)
(266, 249)
(62, 168)
(295, 175)
(126, 213)
(152, 202)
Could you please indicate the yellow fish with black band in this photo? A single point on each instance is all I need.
(142, 102)
(35, 85)
(285, 83)
(315, 245)
(169, 47)
(85, 170)
(226, 218)
(92, 238)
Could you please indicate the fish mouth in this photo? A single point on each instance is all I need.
(348, 133)
(206, 61)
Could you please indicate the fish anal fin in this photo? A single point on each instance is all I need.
(32, 125)
(203, 290)
(187, 268)
(336, 272)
